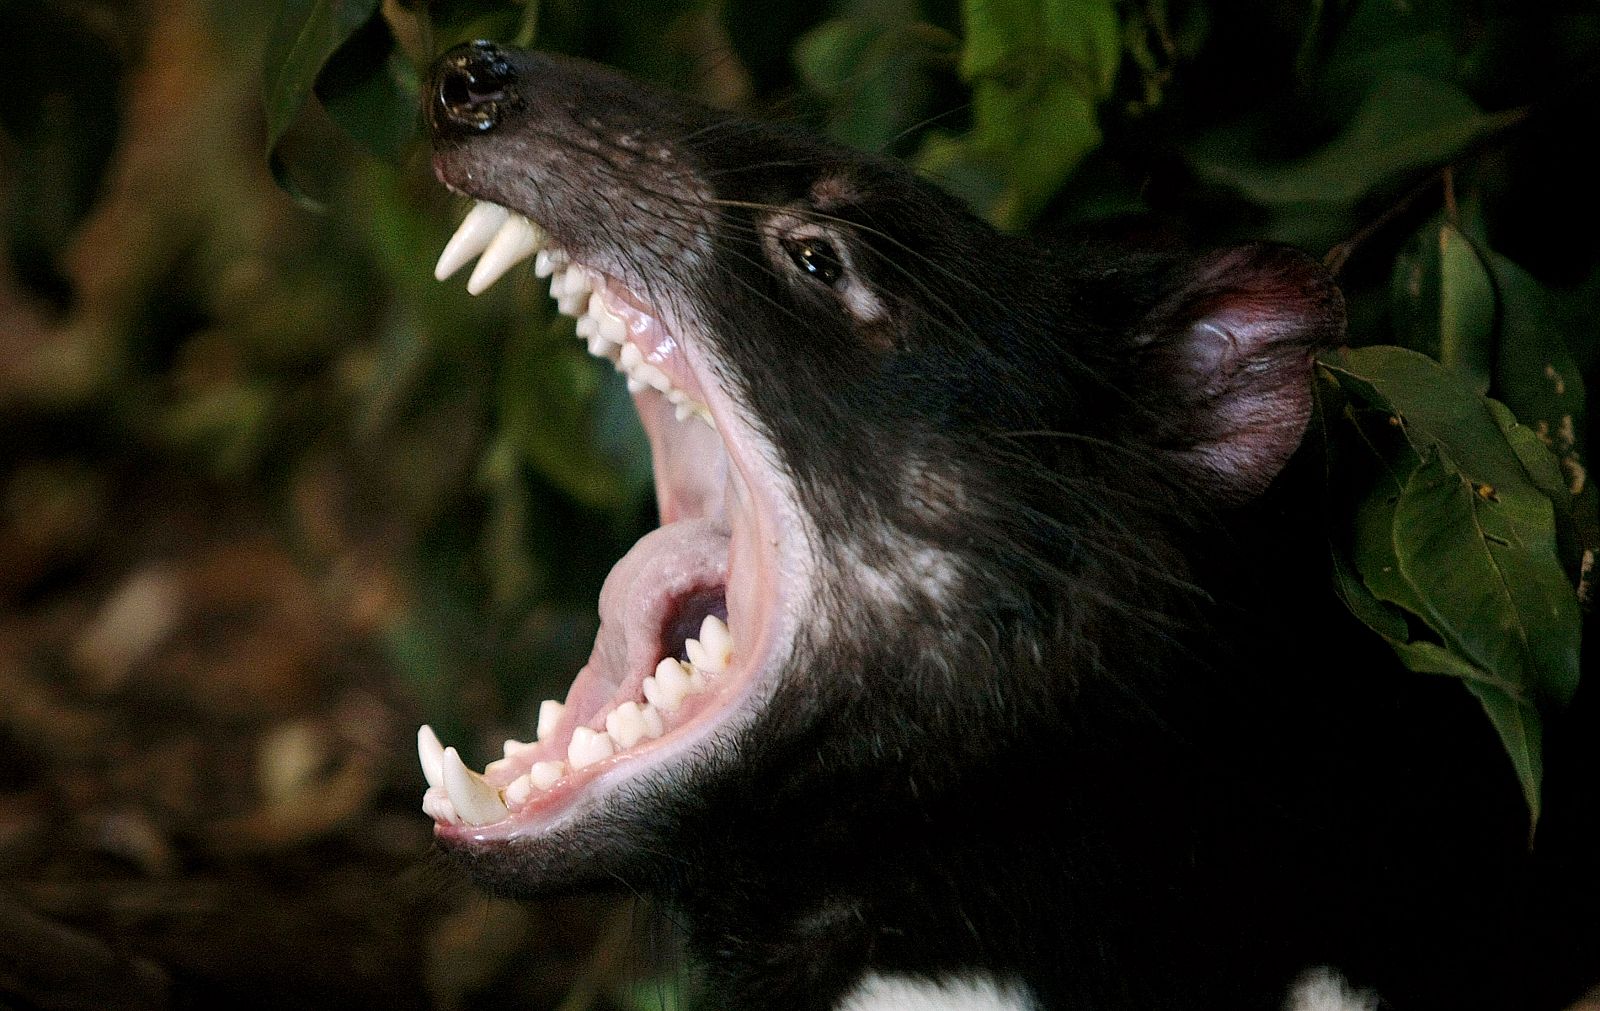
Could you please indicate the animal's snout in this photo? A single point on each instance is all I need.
(473, 87)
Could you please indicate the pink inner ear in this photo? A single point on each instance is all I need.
(1233, 355)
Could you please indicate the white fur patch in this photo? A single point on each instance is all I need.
(1325, 990)
(1317, 990)
(965, 993)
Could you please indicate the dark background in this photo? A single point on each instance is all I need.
(270, 496)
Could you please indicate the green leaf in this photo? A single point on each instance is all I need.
(1444, 303)
(1521, 732)
(1459, 532)
(370, 88)
(1438, 408)
(873, 74)
(306, 34)
(1542, 468)
(1483, 564)
(1038, 70)
(1537, 377)
(1407, 122)
(1516, 720)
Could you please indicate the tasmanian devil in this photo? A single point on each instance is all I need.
(965, 664)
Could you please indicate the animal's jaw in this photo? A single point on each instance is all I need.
(728, 549)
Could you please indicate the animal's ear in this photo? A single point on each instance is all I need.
(1222, 364)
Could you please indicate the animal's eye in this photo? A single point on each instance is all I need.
(816, 258)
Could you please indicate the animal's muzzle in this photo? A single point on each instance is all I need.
(473, 87)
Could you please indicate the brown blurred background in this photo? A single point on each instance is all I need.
(267, 501)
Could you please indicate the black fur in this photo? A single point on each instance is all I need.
(1116, 740)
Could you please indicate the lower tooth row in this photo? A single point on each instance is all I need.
(457, 794)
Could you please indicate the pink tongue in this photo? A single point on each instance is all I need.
(638, 600)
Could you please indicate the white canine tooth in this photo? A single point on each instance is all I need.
(653, 726)
(671, 684)
(544, 775)
(472, 238)
(476, 801)
(431, 753)
(589, 747)
(519, 790)
(718, 643)
(544, 264)
(549, 715)
(514, 242)
(625, 725)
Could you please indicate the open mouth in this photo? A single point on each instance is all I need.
(686, 615)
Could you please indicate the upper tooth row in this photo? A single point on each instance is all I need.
(505, 239)
(457, 794)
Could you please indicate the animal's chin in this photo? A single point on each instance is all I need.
(691, 620)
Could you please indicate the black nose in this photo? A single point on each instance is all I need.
(473, 87)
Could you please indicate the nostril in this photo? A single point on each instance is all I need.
(472, 88)
(460, 89)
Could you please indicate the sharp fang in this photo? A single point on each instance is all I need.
(589, 747)
(549, 715)
(476, 801)
(545, 263)
(514, 242)
(718, 645)
(472, 238)
(431, 753)
(544, 775)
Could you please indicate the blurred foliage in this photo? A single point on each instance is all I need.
(175, 330)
